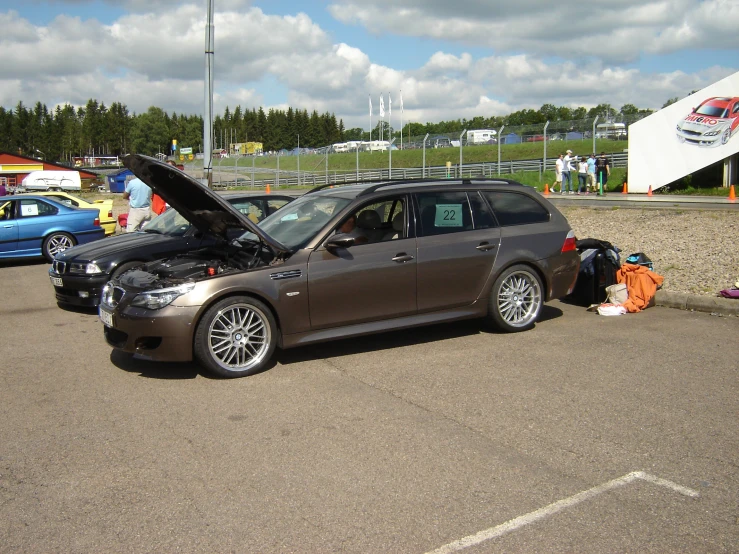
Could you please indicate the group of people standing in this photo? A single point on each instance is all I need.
(590, 172)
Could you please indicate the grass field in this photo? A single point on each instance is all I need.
(347, 162)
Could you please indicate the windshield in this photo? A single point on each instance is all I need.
(169, 223)
(713, 111)
(299, 221)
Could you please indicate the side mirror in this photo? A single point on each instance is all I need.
(340, 240)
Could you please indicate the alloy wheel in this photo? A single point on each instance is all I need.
(519, 298)
(239, 337)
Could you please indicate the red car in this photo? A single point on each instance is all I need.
(712, 123)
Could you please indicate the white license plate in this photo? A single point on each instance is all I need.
(56, 281)
(105, 316)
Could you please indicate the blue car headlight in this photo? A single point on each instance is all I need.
(159, 298)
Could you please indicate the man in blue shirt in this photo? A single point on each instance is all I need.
(138, 195)
(591, 173)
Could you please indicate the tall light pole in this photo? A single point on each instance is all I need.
(545, 145)
(298, 159)
(390, 160)
(460, 151)
(500, 138)
(208, 118)
(594, 122)
(40, 152)
(424, 155)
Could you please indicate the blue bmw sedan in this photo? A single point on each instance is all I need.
(39, 226)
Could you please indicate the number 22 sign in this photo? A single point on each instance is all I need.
(448, 215)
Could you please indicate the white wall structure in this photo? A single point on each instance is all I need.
(684, 137)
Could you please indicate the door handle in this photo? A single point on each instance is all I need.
(8, 226)
(402, 258)
(485, 246)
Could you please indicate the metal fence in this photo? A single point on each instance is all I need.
(239, 176)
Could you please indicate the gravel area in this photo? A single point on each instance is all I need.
(696, 251)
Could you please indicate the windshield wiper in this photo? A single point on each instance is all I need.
(155, 231)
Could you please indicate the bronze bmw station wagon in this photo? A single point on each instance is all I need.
(339, 262)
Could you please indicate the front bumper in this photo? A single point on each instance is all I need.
(78, 290)
(164, 335)
(699, 140)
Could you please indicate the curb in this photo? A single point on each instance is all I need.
(696, 302)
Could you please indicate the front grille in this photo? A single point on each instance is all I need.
(694, 133)
(59, 267)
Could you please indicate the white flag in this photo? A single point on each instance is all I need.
(401, 101)
(370, 106)
(382, 107)
(390, 106)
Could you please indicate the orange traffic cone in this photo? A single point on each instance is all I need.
(732, 194)
(546, 189)
(649, 192)
(626, 188)
(268, 191)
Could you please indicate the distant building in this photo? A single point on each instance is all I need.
(14, 168)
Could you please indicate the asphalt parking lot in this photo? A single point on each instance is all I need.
(586, 434)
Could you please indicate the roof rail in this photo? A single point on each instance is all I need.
(376, 184)
(454, 181)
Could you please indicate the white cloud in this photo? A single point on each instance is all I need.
(616, 32)
(155, 57)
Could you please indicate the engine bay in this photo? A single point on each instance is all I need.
(238, 255)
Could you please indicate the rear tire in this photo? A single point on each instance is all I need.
(55, 243)
(516, 299)
(236, 337)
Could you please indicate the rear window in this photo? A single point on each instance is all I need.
(512, 208)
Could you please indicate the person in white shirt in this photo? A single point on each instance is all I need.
(558, 166)
(566, 175)
(582, 175)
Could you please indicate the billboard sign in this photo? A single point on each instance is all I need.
(185, 151)
(684, 137)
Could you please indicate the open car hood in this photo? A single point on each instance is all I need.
(202, 207)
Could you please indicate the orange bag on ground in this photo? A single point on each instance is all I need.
(642, 284)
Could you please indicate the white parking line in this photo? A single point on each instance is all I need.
(558, 506)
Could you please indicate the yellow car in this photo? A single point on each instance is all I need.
(105, 207)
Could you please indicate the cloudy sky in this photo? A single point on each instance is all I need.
(451, 59)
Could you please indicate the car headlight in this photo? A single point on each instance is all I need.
(156, 299)
(711, 133)
(86, 268)
(678, 127)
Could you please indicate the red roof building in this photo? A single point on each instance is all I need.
(14, 168)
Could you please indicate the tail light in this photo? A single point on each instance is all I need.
(110, 214)
(96, 222)
(569, 244)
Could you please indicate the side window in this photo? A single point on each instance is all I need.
(33, 208)
(253, 209)
(376, 222)
(274, 205)
(7, 210)
(483, 217)
(444, 212)
(512, 208)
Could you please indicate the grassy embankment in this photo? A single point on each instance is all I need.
(347, 162)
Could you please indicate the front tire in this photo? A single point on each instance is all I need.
(55, 243)
(236, 337)
(516, 299)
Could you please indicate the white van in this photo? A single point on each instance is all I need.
(68, 181)
(481, 136)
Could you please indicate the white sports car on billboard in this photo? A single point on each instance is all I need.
(712, 123)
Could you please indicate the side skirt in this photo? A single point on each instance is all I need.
(478, 309)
